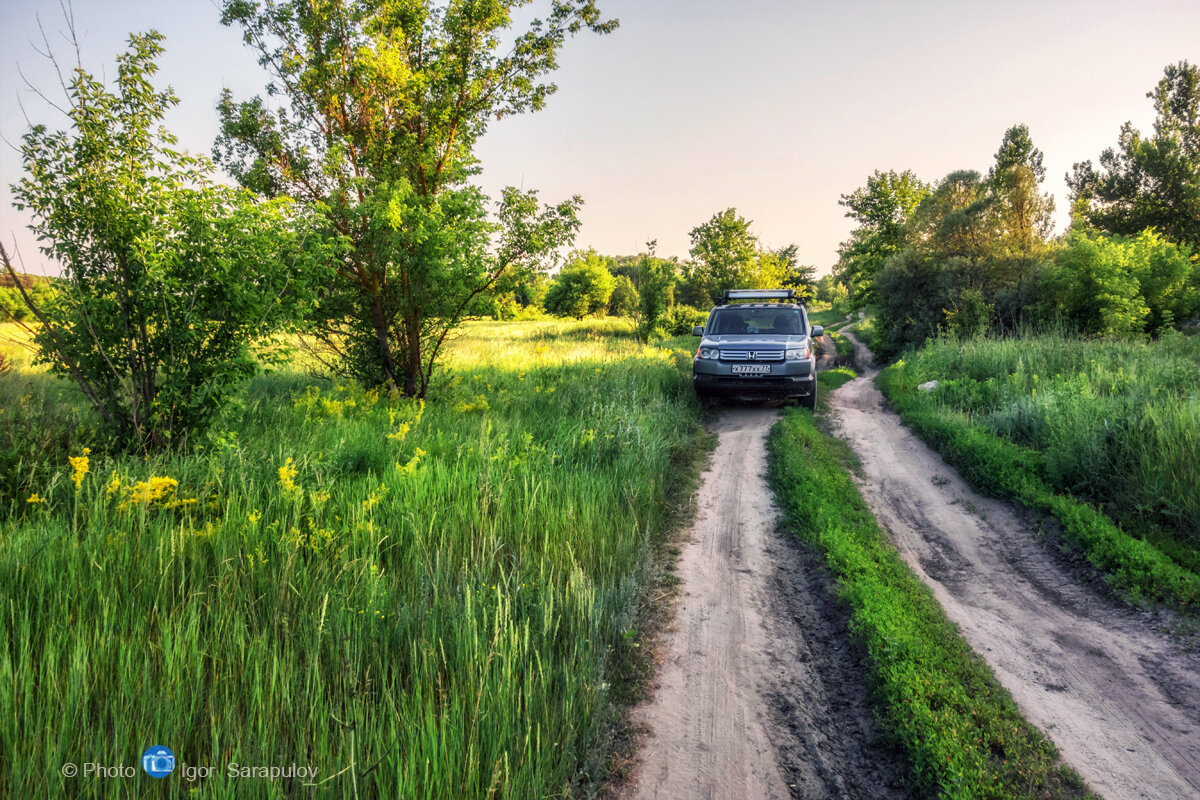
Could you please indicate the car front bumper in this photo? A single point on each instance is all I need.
(715, 379)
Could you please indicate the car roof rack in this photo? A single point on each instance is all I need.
(759, 294)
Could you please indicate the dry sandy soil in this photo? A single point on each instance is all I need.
(761, 693)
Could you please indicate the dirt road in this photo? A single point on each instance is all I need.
(761, 694)
(1117, 693)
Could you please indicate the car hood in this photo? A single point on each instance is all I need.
(756, 340)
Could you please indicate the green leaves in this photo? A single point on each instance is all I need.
(1150, 182)
(583, 287)
(169, 275)
(385, 101)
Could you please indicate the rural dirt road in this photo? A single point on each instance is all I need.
(760, 693)
(1112, 687)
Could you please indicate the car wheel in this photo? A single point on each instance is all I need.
(809, 401)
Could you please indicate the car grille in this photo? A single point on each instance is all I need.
(752, 355)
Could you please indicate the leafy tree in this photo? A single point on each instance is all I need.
(168, 275)
(1115, 286)
(656, 285)
(1149, 182)
(386, 100)
(724, 253)
(727, 255)
(624, 300)
(953, 219)
(584, 286)
(1022, 216)
(801, 277)
(882, 209)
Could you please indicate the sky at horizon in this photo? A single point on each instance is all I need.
(774, 108)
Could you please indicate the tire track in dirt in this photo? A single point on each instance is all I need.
(760, 692)
(1119, 697)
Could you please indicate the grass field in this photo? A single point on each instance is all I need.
(415, 600)
(1103, 435)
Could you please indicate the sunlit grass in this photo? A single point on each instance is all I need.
(419, 601)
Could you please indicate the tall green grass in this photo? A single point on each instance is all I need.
(418, 602)
(934, 697)
(1069, 427)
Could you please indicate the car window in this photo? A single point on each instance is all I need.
(763, 321)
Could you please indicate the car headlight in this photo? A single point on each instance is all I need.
(797, 353)
(708, 352)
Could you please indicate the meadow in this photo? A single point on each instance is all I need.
(418, 600)
(1102, 435)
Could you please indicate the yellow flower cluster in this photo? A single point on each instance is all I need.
(287, 477)
(35, 499)
(410, 468)
(480, 403)
(80, 465)
(155, 490)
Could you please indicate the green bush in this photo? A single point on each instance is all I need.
(680, 320)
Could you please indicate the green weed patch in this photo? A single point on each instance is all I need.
(938, 701)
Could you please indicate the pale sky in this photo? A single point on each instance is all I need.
(692, 106)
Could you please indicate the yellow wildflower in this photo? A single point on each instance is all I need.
(80, 465)
(287, 475)
(411, 467)
(35, 498)
(114, 485)
(254, 516)
(150, 491)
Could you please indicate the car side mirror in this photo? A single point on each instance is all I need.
(817, 331)
(698, 330)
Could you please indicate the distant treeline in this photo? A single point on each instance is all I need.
(973, 253)
(662, 296)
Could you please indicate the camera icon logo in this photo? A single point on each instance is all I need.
(158, 761)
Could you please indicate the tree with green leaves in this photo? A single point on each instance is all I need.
(1022, 214)
(168, 275)
(656, 279)
(727, 255)
(624, 300)
(385, 100)
(723, 251)
(882, 209)
(584, 286)
(1122, 285)
(1149, 181)
(801, 277)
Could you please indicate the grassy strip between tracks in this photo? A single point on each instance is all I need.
(1134, 567)
(962, 731)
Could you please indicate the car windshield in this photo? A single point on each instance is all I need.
(764, 321)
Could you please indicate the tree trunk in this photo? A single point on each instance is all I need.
(413, 385)
(379, 320)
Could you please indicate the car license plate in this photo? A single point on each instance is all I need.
(752, 369)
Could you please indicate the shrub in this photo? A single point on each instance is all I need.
(680, 320)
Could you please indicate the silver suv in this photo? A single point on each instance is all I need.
(757, 349)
